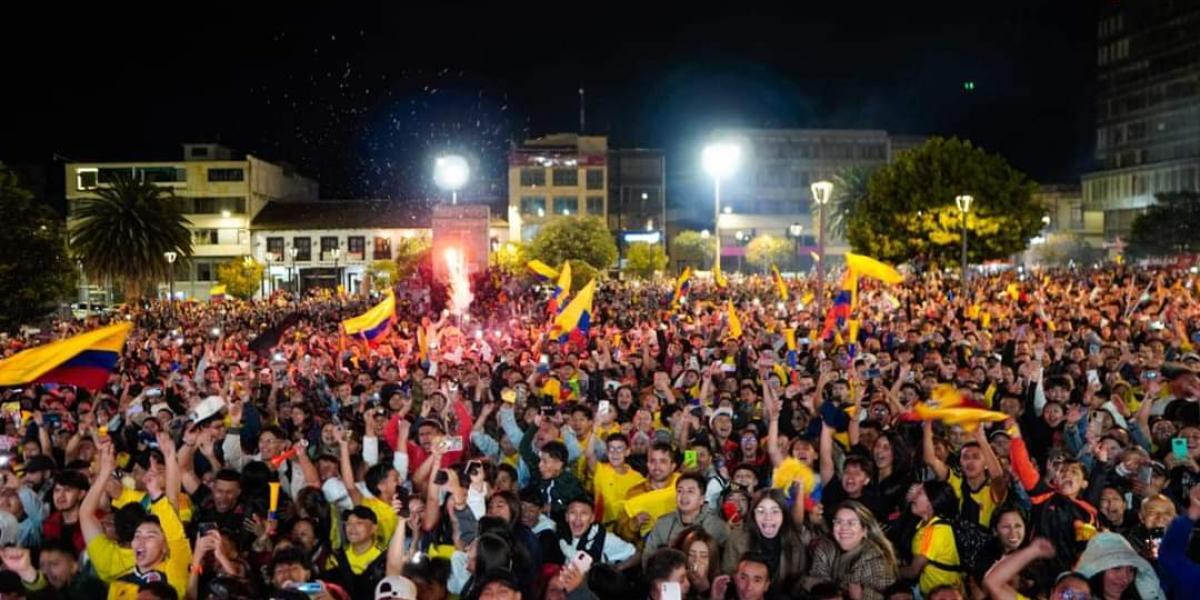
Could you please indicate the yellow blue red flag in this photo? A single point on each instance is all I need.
(562, 289)
(85, 360)
(682, 285)
(542, 270)
(374, 324)
(576, 317)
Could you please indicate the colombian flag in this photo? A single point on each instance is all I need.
(84, 360)
(682, 285)
(216, 293)
(576, 317)
(561, 290)
(373, 325)
(843, 303)
(779, 283)
(542, 270)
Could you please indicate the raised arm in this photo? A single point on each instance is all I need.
(998, 477)
(88, 522)
(347, 472)
(826, 448)
(929, 454)
(396, 554)
(773, 406)
(998, 580)
(171, 475)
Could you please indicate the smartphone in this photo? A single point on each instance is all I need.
(1179, 447)
(205, 527)
(1150, 375)
(1093, 377)
(310, 589)
(582, 562)
(454, 443)
(669, 590)
(604, 406)
(872, 373)
(1145, 473)
(689, 459)
(153, 392)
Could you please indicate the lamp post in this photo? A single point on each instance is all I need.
(337, 253)
(293, 251)
(741, 237)
(450, 172)
(796, 230)
(821, 191)
(720, 160)
(964, 206)
(171, 256)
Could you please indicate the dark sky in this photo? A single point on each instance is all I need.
(362, 97)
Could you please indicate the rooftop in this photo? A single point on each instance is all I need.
(343, 214)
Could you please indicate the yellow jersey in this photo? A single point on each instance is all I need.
(115, 565)
(611, 487)
(935, 541)
(982, 497)
(386, 517)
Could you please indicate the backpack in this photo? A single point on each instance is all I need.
(971, 540)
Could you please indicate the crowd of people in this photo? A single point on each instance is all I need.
(664, 453)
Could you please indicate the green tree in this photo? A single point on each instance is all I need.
(1170, 226)
(586, 239)
(766, 250)
(124, 231)
(849, 192)
(242, 278)
(909, 210)
(35, 270)
(509, 258)
(693, 249)
(581, 274)
(410, 252)
(382, 273)
(643, 260)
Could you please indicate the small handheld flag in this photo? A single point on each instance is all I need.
(735, 324)
(780, 284)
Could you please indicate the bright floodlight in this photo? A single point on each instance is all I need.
(721, 159)
(450, 172)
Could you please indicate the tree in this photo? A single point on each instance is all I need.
(849, 191)
(382, 273)
(586, 239)
(693, 249)
(909, 209)
(766, 250)
(35, 270)
(1171, 226)
(509, 258)
(124, 231)
(643, 260)
(581, 274)
(410, 253)
(241, 277)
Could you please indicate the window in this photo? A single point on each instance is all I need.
(356, 245)
(566, 205)
(595, 205)
(226, 175)
(303, 246)
(204, 237)
(162, 174)
(111, 175)
(566, 177)
(595, 179)
(85, 179)
(533, 205)
(328, 245)
(275, 248)
(204, 271)
(383, 248)
(532, 177)
(214, 206)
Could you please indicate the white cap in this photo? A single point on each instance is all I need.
(207, 408)
(724, 410)
(395, 586)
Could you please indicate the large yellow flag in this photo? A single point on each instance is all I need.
(735, 324)
(719, 277)
(577, 316)
(542, 270)
(562, 289)
(869, 267)
(780, 284)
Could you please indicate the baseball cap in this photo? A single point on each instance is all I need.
(396, 587)
(726, 411)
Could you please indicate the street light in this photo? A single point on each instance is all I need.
(742, 238)
(821, 192)
(293, 251)
(337, 253)
(450, 172)
(964, 206)
(796, 230)
(171, 256)
(720, 160)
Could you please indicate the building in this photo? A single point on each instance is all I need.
(324, 243)
(1147, 107)
(771, 190)
(637, 208)
(563, 174)
(1070, 231)
(220, 194)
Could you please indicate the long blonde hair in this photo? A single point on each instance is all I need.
(873, 529)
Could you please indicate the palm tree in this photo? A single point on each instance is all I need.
(849, 190)
(124, 231)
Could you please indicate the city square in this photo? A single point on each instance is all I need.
(353, 307)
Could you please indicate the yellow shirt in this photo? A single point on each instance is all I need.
(982, 497)
(612, 487)
(112, 561)
(360, 562)
(935, 541)
(386, 517)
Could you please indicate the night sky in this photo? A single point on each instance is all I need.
(361, 98)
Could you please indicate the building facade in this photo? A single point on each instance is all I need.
(220, 195)
(771, 190)
(1147, 107)
(323, 244)
(558, 175)
(637, 190)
